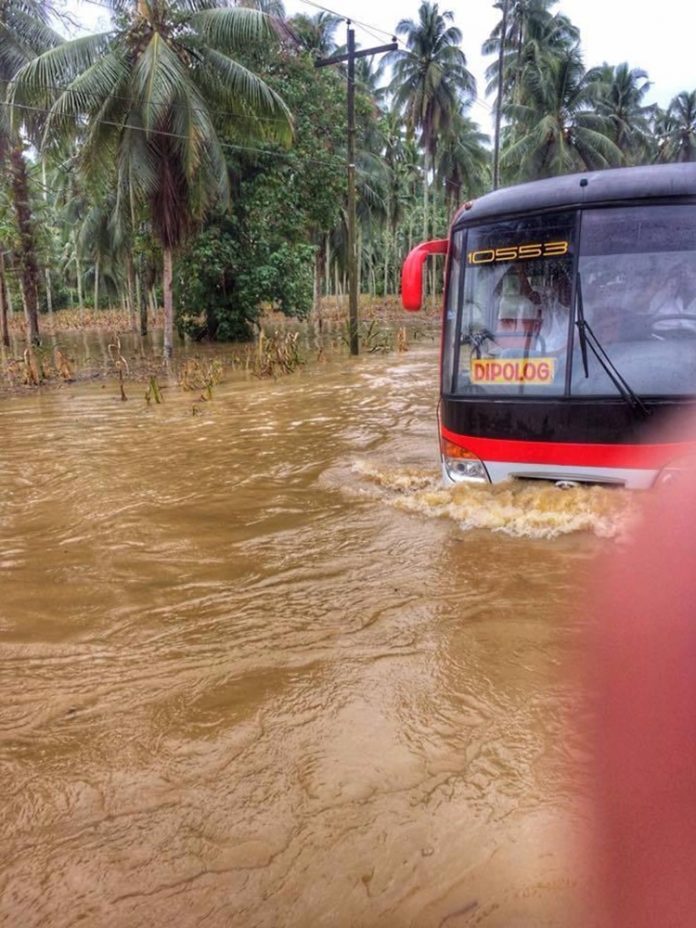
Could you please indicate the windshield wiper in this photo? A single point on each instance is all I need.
(589, 339)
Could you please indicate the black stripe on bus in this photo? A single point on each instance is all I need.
(602, 421)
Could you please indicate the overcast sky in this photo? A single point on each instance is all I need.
(660, 41)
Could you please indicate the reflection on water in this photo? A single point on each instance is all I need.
(92, 351)
(251, 675)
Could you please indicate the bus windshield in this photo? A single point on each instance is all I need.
(514, 324)
(638, 271)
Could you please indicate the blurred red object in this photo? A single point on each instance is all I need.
(644, 679)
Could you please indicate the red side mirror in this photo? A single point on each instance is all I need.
(412, 272)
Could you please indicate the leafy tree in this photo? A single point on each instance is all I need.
(274, 8)
(533, 34)
(527, 36)
(557, 129)
(7, 236)
(153, 94)
(315, 34)
(269, 249)
(676, 129)
(431, 82)
(619, 93)
(463, 162)
(23, 34)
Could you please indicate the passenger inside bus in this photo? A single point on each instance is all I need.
(534, 316)
(641, 297)
(672, 307)
(518, 315)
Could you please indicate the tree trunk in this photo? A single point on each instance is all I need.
(152, 301)
(47, 272)
(4, 328)
(167, 280)
(49, 292)
(318, 278)
(130, 291)
(142, 303)
(319, 266)
(327, 266)
(428, 262)
(78, 275)
(499, 101)
(96, 284)
(358, 248)
(426, 169)
(8, 296)
(140, 294)
(29, 270)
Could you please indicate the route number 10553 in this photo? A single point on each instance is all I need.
(518, 252)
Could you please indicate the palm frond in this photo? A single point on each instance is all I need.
(37, 81)
(159, 80)
(233, 29)
(250, 95)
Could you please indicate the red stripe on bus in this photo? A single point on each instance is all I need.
(647, 457)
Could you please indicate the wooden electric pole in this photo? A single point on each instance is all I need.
(352, 218)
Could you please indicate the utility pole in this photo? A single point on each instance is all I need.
(352, 219)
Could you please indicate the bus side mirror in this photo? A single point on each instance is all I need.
(412, 272)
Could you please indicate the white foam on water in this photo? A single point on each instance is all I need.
(528, 509)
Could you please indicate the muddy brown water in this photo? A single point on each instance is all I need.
(260, 669)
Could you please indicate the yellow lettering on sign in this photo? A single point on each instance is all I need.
(518, 252)
(512, 370)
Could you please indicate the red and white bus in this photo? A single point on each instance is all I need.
(569, 329)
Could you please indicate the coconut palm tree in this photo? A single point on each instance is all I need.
(150, 97)
(315, 34)
(24, 34)
(463, 164)
(532, 33)
(556, 130)
(274, 8)
(431, 82)
(7, 234)
(527, 35)
(676, 129)
(619, 94)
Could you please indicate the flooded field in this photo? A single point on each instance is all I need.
(260, 669)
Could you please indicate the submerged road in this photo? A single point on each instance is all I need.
(260, 669)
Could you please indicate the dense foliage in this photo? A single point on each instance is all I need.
(194, 155)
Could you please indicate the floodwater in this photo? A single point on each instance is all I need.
(260, 669)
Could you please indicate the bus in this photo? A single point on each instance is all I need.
(569, 329)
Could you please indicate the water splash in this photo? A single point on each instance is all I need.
(524, 509)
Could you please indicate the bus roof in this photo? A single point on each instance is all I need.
(616, 185)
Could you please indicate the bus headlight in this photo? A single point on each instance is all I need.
(676, 470)
(462, 464)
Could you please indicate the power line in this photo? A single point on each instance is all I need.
(207, 111)
(174, 135)
(195, 109)
(335, 163)
(356, 22)
(368, 27)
